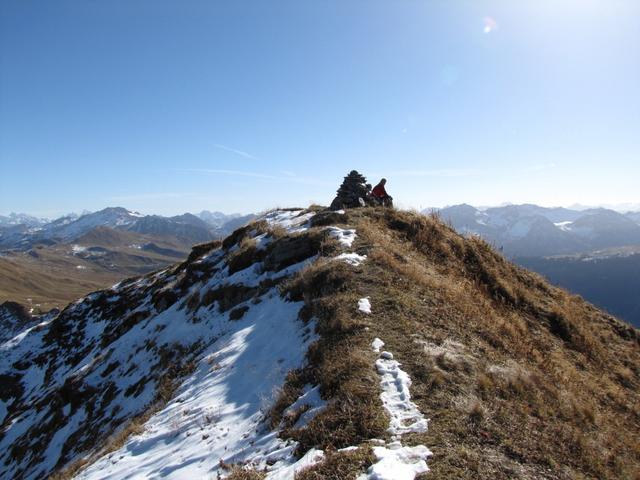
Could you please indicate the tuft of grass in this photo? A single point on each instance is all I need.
(347, 465)
(329, 217)
(340, 362)
(238, 312)
(241, 233)
(238, 472)
(246, 255)
(228, 296)
(193, 302)
(476, 413)
(277, 231)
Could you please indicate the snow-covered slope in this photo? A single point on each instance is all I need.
(217, 219)
(196, 353)
(109, 217)
(21, 219)
(218, 411)
(14, 318)
(114, 354)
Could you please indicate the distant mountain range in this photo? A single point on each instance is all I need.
(14, 219)
(46, 264)
(533, 231)
(594, 252)
(22, 232)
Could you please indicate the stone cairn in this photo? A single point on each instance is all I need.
(352, 193)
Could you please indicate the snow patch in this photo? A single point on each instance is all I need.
(351, 258)
(312, 457)
(310, 399)
(78, 249)
(377, 344)
(396, 462)
(348, 449)
(564, 226)
(291, 220)
(344, 236)
(395, 382)
(364, 305)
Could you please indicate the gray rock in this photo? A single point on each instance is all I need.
(352, 193)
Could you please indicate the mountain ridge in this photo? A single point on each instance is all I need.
(529, 230)
(519, 378)
(191, 228)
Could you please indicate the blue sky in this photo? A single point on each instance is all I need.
(167, 107)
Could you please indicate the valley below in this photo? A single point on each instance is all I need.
(48, 264)
(47, 277)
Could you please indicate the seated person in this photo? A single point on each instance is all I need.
(380, 194)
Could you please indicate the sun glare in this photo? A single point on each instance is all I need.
(489, 25)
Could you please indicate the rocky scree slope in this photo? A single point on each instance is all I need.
(315, 344)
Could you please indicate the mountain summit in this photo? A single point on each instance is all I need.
(368, 344)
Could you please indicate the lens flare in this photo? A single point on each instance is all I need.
(489, 25)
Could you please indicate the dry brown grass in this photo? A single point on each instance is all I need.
(340, 362)
(277, 231)
(246, 255)
(46, 285)
(520, 379)
(238, 472)
(538, 374)
(339, 465)
(47, 277)
(134, 427)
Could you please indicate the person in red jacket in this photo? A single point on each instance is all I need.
(380, 194)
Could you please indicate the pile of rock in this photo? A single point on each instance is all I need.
(353, 192)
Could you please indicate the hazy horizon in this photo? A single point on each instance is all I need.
(621, 208)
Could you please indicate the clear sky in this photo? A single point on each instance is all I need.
(167, 107)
